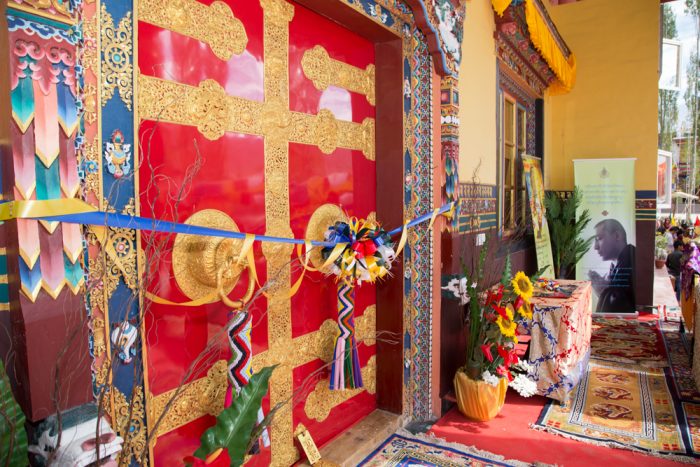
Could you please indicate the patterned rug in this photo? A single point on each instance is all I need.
(625, 406)
(681, 372)
(692, 428)
(405, 449)
(628, 341)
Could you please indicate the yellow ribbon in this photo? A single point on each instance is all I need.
(402, 240)
(24, 209)
(297, 284)
(210, 298)
(451, 213)
(433, 217)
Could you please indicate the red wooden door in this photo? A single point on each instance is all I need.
(265, 126)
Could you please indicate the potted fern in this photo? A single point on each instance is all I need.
(566, 230)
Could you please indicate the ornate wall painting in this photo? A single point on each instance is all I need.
(442, 23)
(107, 153)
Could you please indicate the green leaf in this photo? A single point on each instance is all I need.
(506, 276)
(13, 438)
(235, 424)
(566, 226)
(538, 274)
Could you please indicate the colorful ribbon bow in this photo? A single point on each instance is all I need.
(367, 257)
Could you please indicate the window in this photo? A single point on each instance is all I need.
(514, 145)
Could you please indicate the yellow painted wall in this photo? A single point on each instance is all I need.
(477, 95)
(612, 109)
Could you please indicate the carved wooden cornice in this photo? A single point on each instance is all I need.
(515, 49)
(446, 64)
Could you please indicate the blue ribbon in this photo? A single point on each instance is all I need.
(124, 221)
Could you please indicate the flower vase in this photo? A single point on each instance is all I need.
(479, 400)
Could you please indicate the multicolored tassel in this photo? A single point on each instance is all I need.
(345, 372)
(240, 367)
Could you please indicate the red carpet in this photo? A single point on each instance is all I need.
(509, 435)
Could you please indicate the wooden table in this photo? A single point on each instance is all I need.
(560, 342)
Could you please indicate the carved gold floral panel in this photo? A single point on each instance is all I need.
(324, 71)
(213, 24)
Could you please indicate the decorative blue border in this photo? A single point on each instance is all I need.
(406, 439)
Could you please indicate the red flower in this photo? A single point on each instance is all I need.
(518, 302)
(490, 317)
(509, 356)
(501, 310)
(486, 350)
(503, 371)
(494, 297)
(193, 461)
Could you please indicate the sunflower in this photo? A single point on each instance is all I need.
(507, 326)
(522, 286)
(525, 310)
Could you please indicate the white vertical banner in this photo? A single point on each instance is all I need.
(608, 192)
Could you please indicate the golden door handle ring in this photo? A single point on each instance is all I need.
(229, 266)
(208, 268)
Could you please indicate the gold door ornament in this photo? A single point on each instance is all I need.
(214, 24)
(208, 267)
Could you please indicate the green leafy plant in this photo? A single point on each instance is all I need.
(660, 244)
(568, 245)
(13, 438)
(235, 424)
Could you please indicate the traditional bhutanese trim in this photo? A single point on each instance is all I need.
(4, 285)
(564, 67)
(645, 194)
(478, 208)
(646, 216)
(418, 286)
(645, 205)
(42, 27)
(116, 29)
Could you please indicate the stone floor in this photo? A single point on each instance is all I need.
(663, 291)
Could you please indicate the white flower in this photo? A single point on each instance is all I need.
(524, 366)
(489, 378)
(524, 386)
